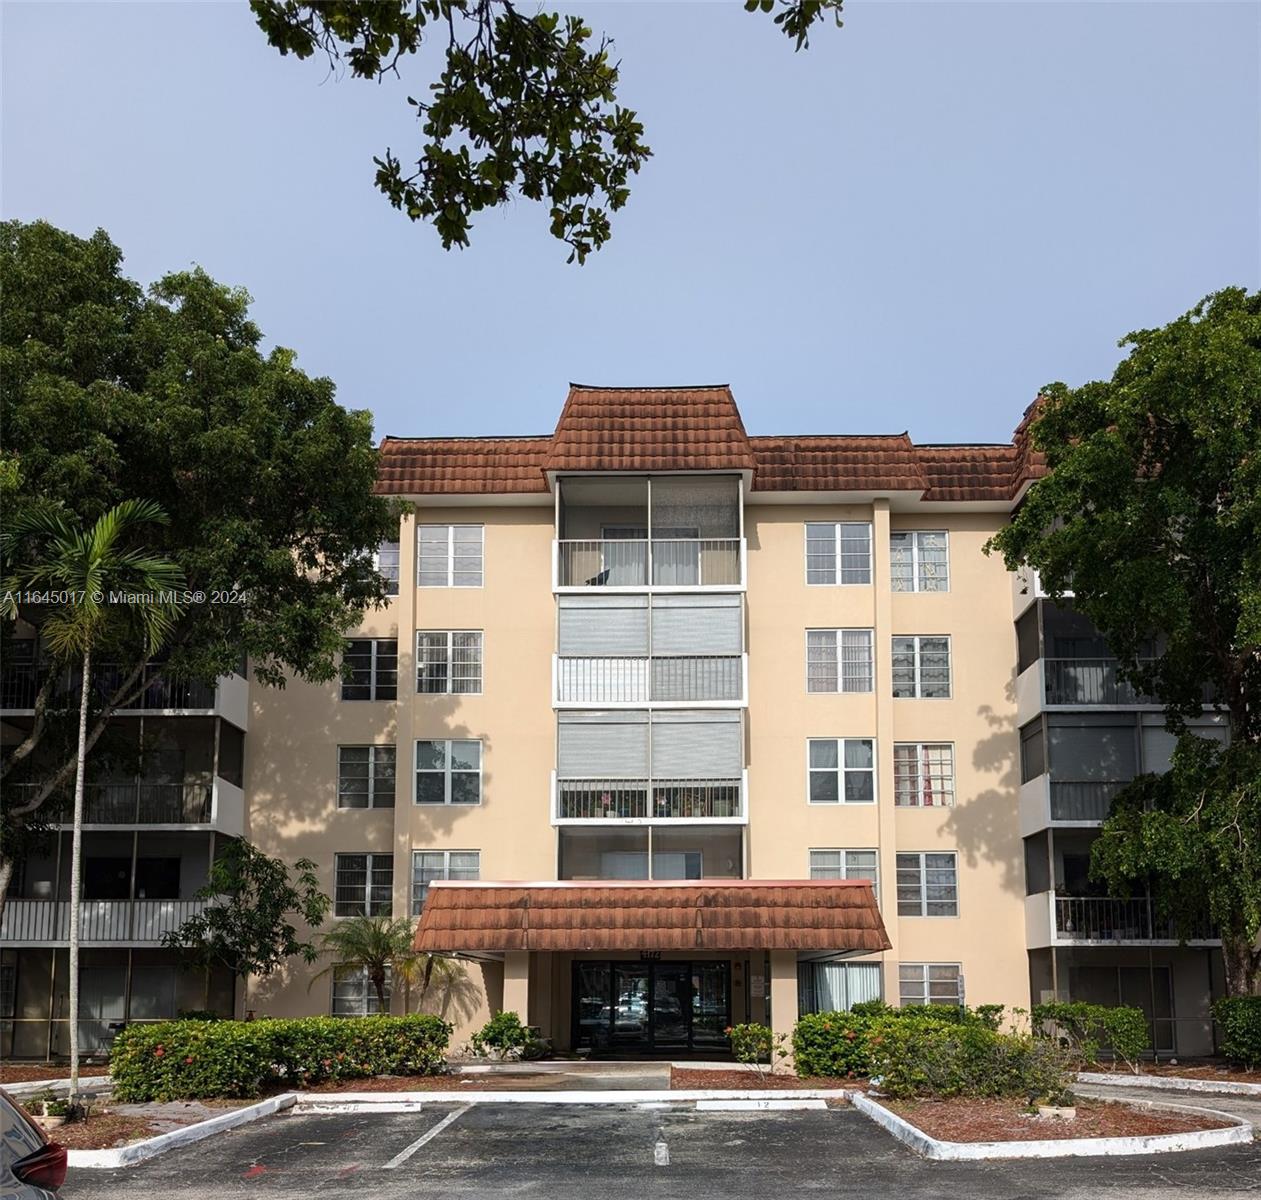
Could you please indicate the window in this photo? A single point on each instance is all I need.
(930, 983)
(365, 776)
(373, 667)
(387, 566)
(846, 864)
(920, 561)
(449, 661)
(428, 865)
(838, 552)
(449, 772)
(353, 993)
(923, 774)
(921, 667)
(838, 660)
(835, 987)
(928, 885)
(842, 770)
(449, 555)
(364, 885)
(1032, 751)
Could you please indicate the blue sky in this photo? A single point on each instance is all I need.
(913, 225)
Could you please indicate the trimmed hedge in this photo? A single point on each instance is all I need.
(1086, 1027)
(1240, 1020)
(190, 1060)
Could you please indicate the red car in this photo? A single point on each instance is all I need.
(31, 1167)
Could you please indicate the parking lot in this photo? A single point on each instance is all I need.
(633, 1151)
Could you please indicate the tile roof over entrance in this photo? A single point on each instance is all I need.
(700, 429)
(727, 914)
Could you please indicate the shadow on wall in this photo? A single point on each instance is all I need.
(455, 997)
(986, 826)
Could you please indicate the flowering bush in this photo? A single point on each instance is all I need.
(188, 1060)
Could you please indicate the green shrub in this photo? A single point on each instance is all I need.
(502, 1036)
(1239, 1018)
(751, 1043)
(199, 1014)
(190, 1059)
(832, 1044)
(964, 1058)
(1087, 1027)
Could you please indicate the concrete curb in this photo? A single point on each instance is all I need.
(398, 1102)
(87, 1083)
(1239, 1132)
(125, 1156)
(1170, 1083)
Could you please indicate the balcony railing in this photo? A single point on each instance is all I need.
(1106, 919)
(663, 562)
(639, 680)
(641, 799)
(1083, 800)
(102, 922)
(20, 682)
(1087, 681)
(137, 803)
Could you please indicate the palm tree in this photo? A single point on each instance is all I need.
(88, 565)
(382, 946)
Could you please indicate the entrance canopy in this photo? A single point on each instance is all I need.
(835, 916)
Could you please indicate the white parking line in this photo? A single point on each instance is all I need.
(399, 1159)
(757, 1105)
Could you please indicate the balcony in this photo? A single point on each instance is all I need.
(1065, 802)
(1052, 919)
(620, 801)
(1088, 681)
(584, 680)
(661, 563)
(101, 922)
(219, 805)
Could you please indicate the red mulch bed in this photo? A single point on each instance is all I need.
(30, 1072)
(1219, 1071)
(689, 1078)
(104, 1130)
(961, 1120)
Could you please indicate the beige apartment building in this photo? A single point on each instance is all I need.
(668, 727)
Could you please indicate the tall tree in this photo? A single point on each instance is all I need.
(112, 393)
(83, 569)
(1150, 519)
(525, 105)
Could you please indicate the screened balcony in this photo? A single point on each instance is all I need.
(666, 532)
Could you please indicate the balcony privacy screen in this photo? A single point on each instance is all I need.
(684, 745)
(601, 626)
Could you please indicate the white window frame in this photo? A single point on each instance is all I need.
(374, 682)
(370, 1005)
(923, 902)
(450, 650)
(948, 792)
(925, 984)
(369, 866)
(384, 555)
(418, 906)
(374, 750)
(841, 770)
(446, 773)
(450, 528)
(917, 583)
(838, 576)
(918, 661)
(845, 867)
(838, 638)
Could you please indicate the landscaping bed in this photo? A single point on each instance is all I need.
(695, 1079)
(968, 1120)
(35, 1072)
(118, 1125)
(1219, 1072)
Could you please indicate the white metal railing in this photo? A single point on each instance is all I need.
(135, 803)
(700, 678)
(663, 562)
(111, 922)
(1087, 681)
(641, 799)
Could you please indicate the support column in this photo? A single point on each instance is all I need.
(541, 1006)
(784, 1002)
(517, 984)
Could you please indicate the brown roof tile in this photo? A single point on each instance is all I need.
(699, 429)
(716, 915)
(650, 429)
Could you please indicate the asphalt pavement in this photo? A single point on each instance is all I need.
(494, 1151)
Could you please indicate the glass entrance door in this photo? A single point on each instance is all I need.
(651, 1007)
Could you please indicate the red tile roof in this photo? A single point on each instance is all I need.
(700, 429)
(726, 914)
